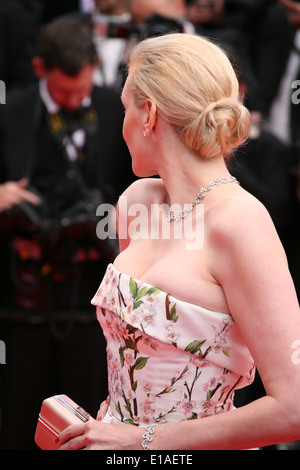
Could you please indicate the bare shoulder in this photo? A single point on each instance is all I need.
(240, 227)
(145, 190)
(240, 215)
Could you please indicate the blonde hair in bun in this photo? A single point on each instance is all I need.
(195, 89)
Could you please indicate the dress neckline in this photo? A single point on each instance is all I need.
(184, 302)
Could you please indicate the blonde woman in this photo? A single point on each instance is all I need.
(185, 325)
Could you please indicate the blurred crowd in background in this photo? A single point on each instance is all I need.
(62, 154)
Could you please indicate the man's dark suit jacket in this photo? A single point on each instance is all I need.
(15, 45)
(27, 149)
(24, 145)
(108, 166)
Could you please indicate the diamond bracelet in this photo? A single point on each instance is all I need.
(147, 436)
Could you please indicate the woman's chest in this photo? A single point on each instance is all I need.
(185, 274)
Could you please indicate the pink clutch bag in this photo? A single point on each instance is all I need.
(57, 413)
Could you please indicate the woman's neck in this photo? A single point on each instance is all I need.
(188, 174)
(182, 170)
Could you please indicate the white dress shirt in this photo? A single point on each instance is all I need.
(77, 139)
(279, 117)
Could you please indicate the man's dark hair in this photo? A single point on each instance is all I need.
(67, 44)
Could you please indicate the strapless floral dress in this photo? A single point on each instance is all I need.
(168, 360)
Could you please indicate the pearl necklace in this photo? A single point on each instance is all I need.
(188, 208)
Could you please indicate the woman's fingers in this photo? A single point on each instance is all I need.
(103, 409)
(71, 433)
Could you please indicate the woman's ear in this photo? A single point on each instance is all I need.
(150, 116)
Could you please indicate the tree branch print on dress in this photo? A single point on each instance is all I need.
(143, 297)
(144, 325)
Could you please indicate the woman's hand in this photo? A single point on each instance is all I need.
(103, 409)
(95, 435)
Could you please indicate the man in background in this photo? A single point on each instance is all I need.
(63, 137)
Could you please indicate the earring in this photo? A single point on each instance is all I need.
(147, 132)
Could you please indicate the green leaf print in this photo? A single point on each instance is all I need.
(226, 353)
(131, 329)
(140, 363)
(173, 315)
(131, 344)
(133, 287)
(138, 294)
(129, 421)
(141, 293)
(152, 290)
(121, 352)
(194, 416)
(137, 304)
(195, 346)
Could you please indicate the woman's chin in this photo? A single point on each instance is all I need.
(143, 173)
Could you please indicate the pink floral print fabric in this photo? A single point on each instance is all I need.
(168, 360)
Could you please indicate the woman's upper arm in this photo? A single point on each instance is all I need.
(253, 271)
